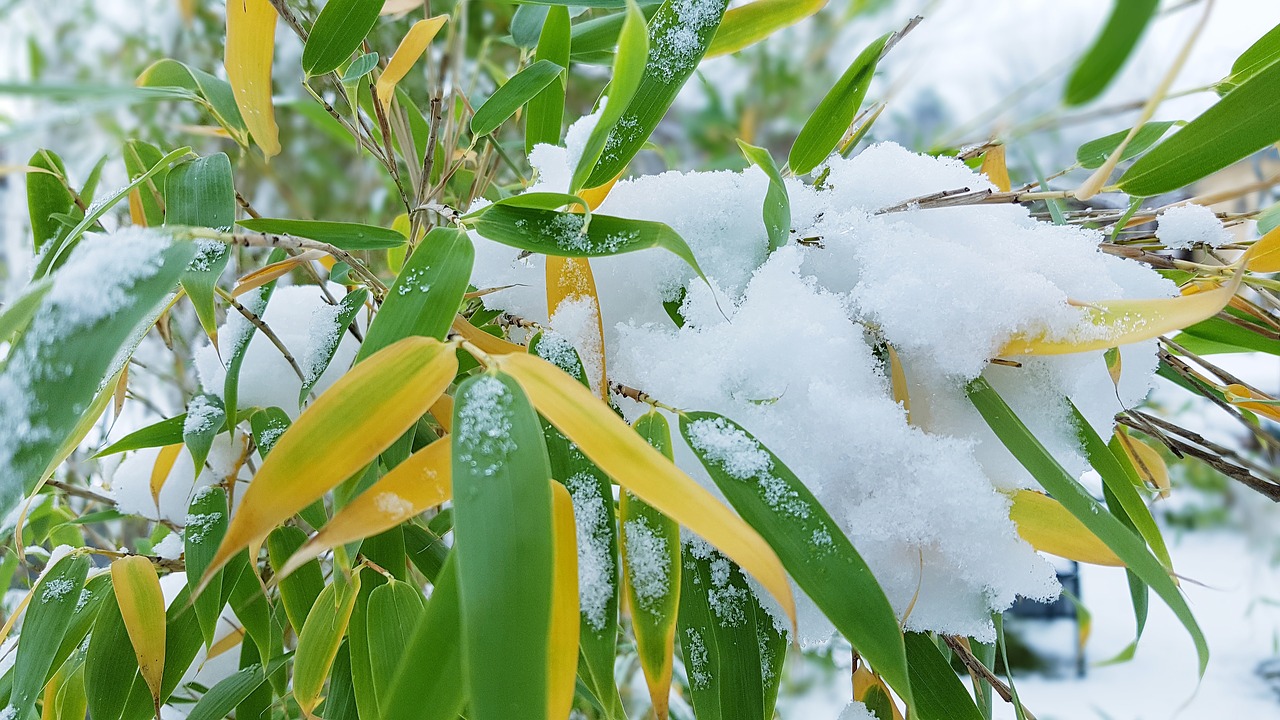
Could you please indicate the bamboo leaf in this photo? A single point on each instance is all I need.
(205, 417)
(251, 33)
(633, 464)
(411, 47)
(1146, 461)
(679, 35)
(1265, 257)
(47, 196)
(337, 33)
(165, 460)
(319, 640)
(215, 94)
(777, 206)
(315, 362)
(427, 292)
(1094, 153)
(1234, 128)
(337, 435)
(17, 314)
(44, 626)
(629, 66)
(520, 89)
(833, 116)
(395, 609)
(651, 573)
(939, 694)
(995, 168)
(299, 589)
(562, 659)
(110, 664)
(142, 610)
(571, 280)
(814, 549)
(223, 698)
(748, 24)
(344, 235)
(428, 683)
(1048, 527)
(420, 482)
(200, 193)
(1126, 544)
(546, 109)
(504, 541)
(1103, 61)
(206, 525)
(1259, 55)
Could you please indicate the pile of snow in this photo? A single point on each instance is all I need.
(783, 344)
(1184, 227)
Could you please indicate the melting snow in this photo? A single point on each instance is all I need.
(1187, 226)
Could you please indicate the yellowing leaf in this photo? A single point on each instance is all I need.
(267, 273)
(1120, 322)
(421, 481)
(483, 340)
(251, 34)
(1114, 366)
(1049, 527)
(1242, 396)
(562, 665)
(340, 433)
(749, 24)
(228, 642)
(898, 378)
(442, 411)
(1266, 253)
(609, 443)
(994, 167)
(415, 42)
(570, 279)
(141, 602)
(596, 195)
(1146, 461)
(160, 471)
(871, 691)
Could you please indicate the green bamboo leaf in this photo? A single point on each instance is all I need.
(748, 24)
(813, 548)
(223, 698)
(359, 67)
(266, 426)
(158, 434)
(568, 234)
(139, 157)
(1225, 332)
(17, 315)
(517, 91)
(395, 609)
(340, 704)
(938, 693)
(1104, 59)
(1262, 53)
(200, 193)
(344, 235)
(83, 618)
(629, 65)
(679, 35)
(110, 665)
(428, 682)
(526, 25)
(1094, 153)
(777, 205)
(337, 33)
(833, 116)
(427, 293)
(70, 352)
(651, 571)
(48, 616)
(503, 538)
(597, 538)
(546, 109)
(1066, 490)
(47, 195)
(1235, 127)
(213, 93)
(594, 38)
(206, 523)
(241, 332)
(205, 417)
(325, 343)
(300, 588)
(319, 640)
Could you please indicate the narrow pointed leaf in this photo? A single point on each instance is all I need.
(206, 523)
(214, 93)
(777, 206)
(1094, 153)
(44, 626)
(47, 196)
(205, 418)
(411, 47)
(326, 337)
(833, 116)
(520, 89)
(938, 693)
(1048, 527)
(748, 24)
(337, 33)
(299, 589)
(319, 640)
(395, 609)
(345, 235)
(628, 72)
(200, 193)
(562, 662)
(142, 609)
(1103, 61)
(428, 683)
(546, 109)
(251, 34)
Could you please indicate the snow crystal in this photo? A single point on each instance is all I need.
(695, 659)
(728, 601)
(324, 331)
(856, 711)
(1184, 227)
(675, 46)
(83, 600)
(782, 343)
(202, 416)
(9, 713)
(743, 458)
(390, 503)
(56, 589)
(199, 524)
(578, 321)
(483, 428)
(208, 252)
(593, 518)
(648, 558)
(556, 349)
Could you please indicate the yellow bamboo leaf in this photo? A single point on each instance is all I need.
(483, 340)
(898, 379)
(1114, 365)
(1150, 466)
(1111, 323)
(613, 446)
(137, 216)
(1242, 396)
(340, 433)
(141, 602)
(251, 33)
(415, 43)
(596, 195)
(570, 279)
(231, 640)
(994, 167)
(1049, 527)
(421, 481)
(267, 273)
(442, 411)
(562, 665)
(160, 471)
(395, 7)
(867, 684)
(1266, 253)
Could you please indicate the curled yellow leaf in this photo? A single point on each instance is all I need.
(421, 481)
(415, 43)
(340, 433)
(165, 459)
(996, 169)
(1049, 527)
(1265, 254)
(483, 340)
(1150, 466)
(1248, 399)
(267, 273)
(251, 35)
(866, 688)
(137, 589)
(621, 453)
(562, 663)
(898, 379)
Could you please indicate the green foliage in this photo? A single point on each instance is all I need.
(1103, 61)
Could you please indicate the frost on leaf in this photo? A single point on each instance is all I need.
(483, 426)
(597, 575)
(648, 560)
